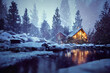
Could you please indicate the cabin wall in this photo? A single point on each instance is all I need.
(60, 38)
(79, 37)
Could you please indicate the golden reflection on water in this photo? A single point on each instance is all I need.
(78, 56)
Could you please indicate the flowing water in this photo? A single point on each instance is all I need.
(51, 64)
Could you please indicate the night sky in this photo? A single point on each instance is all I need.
(89, 9)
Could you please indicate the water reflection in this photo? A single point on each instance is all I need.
(78, 56)
(36, 65)
(62, 59)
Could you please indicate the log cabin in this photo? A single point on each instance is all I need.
(77, 36)
(60, 38)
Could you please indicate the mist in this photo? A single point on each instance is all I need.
(89, 10)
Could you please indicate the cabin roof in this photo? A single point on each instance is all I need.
(74, 32)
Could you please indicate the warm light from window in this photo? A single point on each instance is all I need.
(74, 36)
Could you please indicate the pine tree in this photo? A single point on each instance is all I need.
(34, 31)
(3, 10)
(34, 19)
(2, 24)
(13, 18)
(90, 35)
(102, 26)
(34, 16)
(26, 23)
(78, 21)
(56, 27)
(105, 9)
(65, 13)
(45, 30)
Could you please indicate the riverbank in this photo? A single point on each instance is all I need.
(99, 66)
(63, 59)
(47, 46)
(10, 58)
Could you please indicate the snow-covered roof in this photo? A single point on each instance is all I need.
(74, 32)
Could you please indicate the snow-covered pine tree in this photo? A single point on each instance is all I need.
(45, 30)
(34, 20)
(34, 16)
(34, 31)
(65, 13)
(78, 21)
(26, 23)
(13, 18)
(56, 27)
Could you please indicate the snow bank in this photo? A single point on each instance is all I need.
(7, 36)
(108, 45)
(20, 37)
(85, 45)
(90, 45)
(10, 58)
(4, 46)
(34, 39)
(100, 45)
(4, 36)
(61, 46)
(25, 47)
(29, 44)
(100, 66)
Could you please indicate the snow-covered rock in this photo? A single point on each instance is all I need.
(59, 47)
(4, 36)
(20, 37)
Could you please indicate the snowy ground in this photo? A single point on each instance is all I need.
(10, 58)
(30, 42)
(100, 66)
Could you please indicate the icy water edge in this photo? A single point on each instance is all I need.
(52, 63)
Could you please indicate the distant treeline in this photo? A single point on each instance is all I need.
(10, 20)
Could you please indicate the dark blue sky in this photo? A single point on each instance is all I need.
(90, 9)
